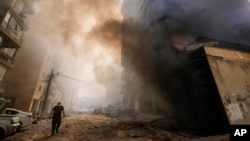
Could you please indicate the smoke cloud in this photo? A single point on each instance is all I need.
(153, 34)
(206, 18)
(84, 38)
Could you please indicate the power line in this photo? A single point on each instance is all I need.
(74, 78)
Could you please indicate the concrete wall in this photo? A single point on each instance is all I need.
(231, 71)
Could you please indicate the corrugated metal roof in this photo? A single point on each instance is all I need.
(227, 54)
(201, 42)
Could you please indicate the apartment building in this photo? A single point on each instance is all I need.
(13, 23)
(46, 90)
(23, 77)
(32, 85)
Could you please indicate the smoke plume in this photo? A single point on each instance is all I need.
(84, 38)
(155, 31)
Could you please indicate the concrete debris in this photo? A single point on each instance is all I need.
(115, 111)
(137, 132)
(110, 111)
(132, 130)
(122, 133)
(126, 112)
(98, 127)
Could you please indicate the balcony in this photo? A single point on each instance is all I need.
(6, 60)
(11, 38)
(19, 19)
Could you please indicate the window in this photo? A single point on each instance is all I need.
(6, 20)
(44, 90)
(11, 52)
(2, 72)
(40, 88)
(11, 112)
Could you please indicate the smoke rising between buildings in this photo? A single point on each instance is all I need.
(210, 19)
(84, 38)
(155, 36)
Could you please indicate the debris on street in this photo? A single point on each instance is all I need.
(93, 127)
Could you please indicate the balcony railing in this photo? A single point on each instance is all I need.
(17, 35)
(11, 38)
(6, 60)
(19, 19)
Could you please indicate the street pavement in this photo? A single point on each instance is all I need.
(98, 127)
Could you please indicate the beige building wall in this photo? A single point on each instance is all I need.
(22, 82)
(231, 71)
(40, 85)
(29, 80)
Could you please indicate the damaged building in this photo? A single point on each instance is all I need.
(205, 93)
(13, 24)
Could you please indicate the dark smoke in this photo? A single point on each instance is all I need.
(208, 18)
(156, 61)
(155, 31)
(109, 31)
(150, 51)
(243, 32)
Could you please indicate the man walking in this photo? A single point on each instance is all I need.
(56, 114)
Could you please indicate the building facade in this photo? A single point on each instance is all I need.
(25, 82)
(13, 23)
(46, 93)
(32, 85)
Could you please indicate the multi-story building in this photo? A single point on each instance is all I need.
(32, 85)
(46, 93)
(12, 25)
(26, 83)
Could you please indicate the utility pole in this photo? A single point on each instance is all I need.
(47, 92)
(71, 101)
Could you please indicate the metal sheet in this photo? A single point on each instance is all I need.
(227, 54)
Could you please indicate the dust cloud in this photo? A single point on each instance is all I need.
(83, 37)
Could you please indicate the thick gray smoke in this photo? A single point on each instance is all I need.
(154, 32)
(223, 19)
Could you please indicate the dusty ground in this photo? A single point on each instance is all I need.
(95, 127)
